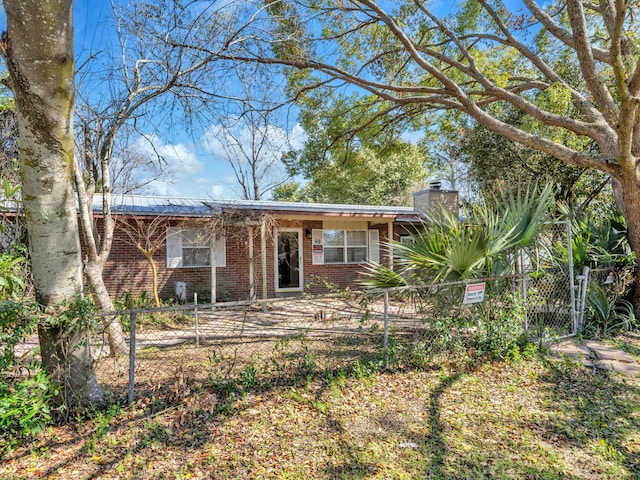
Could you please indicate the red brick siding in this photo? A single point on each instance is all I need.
(127, 270)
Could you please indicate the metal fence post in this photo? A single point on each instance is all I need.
(132, 354)
(195, 302)
(582, 297)
(525, 298)
(572, 285)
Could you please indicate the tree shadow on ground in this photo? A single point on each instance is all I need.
(599, 408)
(437, 456)
(440, 458)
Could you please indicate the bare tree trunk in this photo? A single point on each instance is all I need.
(118, 344)
(154, 275)
(38, 51)
(94, 265)
(95, 262)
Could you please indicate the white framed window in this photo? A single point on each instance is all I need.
(191, 248)
(196, 249)
(341, 246)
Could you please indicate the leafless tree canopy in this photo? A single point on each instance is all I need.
(169, 63)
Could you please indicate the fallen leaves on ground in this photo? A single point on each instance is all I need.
(523, 420)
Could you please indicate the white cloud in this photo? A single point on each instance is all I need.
(239, 138)
(217, 192)
(297, 137)
(211, 140)
(180, 165)
(180, 159)
(185, 175)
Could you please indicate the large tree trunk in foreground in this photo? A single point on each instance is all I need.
(629, 193)
(38, 51)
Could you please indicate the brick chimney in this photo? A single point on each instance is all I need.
(435, 198)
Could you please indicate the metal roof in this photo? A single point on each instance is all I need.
(190, 207)
(153, 205)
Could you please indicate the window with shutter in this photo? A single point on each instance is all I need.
(191, 248)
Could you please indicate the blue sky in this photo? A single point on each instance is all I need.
(194, 164)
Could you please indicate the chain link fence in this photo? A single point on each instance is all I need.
(233, 346)
(607, 308)
(279, 341)
(615, 282)
(551, 311)
(551, 293)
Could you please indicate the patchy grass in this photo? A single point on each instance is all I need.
(630, 343)
(521, 419)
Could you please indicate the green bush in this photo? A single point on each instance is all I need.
(597, 242)
(11, 276)
(24, 405)
(149, 320)
(500, 329)
(606, 317)
(17, 321)
(25, 390)
(447, 248)
(130, 301)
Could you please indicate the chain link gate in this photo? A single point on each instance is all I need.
(554, 303)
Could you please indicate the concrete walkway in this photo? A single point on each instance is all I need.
(595, 354)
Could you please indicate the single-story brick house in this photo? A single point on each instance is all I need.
(262, 249)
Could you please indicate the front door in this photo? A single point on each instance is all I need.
(289, 260)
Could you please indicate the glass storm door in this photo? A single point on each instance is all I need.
(289, 260)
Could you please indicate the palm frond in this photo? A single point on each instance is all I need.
(446, 248)
(380, 276)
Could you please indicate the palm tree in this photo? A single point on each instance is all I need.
(486, 244)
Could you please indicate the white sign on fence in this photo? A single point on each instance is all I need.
(474, 293)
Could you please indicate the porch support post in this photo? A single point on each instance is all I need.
(263, 253)
(252, 279)
(214, 241)
(389, 240)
